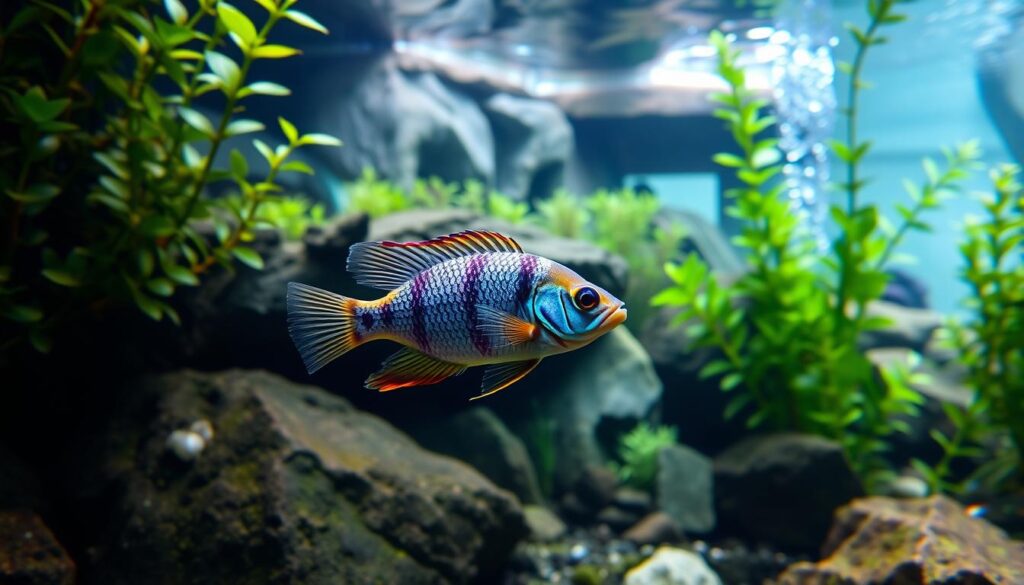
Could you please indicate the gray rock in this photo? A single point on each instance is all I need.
(543, 523)
(596, 486)
(782, 489)
(655, 528)
(685, 488)
(633, 500)
(672, 566)
(616, 519)
(298, 487)
(911, 328)
(405, 125)
(479, 438)
(533, 143)
(595, 264)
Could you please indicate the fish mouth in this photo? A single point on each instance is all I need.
(615, 317)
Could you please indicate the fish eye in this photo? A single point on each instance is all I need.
(586, 298)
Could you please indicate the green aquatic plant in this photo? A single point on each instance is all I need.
(539, 437)
(506, 208)
(989, 344)
(434, 193)
(638, 452)
(564, 214)
(375, 197)
(116, 114)
(293, 215)
(788, 329)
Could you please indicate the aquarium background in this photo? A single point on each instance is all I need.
(816, 383)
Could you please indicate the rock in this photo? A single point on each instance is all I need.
(655, 528)
(533, 143)
(692, 404)
(906, 290)
(479, 438)
(404, 125)
(596, 486)
(672, 566)
(616, 519)
(297, 487)
(593, 263)
(543, 523)
(29, 553)
(910, 328)
(782, 489)
(685, 489)
(882, 540)
(632, 500)
(19, 487)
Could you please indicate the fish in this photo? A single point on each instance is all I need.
(473, 298)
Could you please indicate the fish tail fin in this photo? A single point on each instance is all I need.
(322, 324)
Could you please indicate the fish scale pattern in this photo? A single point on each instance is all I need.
(437, 309)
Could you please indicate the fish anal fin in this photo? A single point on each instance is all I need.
(505, 328)
(501, 376)
(408, 367)
(388, 265)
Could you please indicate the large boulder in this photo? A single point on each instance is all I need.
(782, 489)
(533, 141)
(295, 485)
(479, 438)
(933, 540)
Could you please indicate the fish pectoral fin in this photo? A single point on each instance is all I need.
(505, 328)
(501, 376)
(408, 367)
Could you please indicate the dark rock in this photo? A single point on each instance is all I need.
(672, 566)
(404, 125)
(655, 528)
(533, 142)
(596, 486)
(29, 553)
(574, 510)
(685, 488)
(782, 489)
(295, 486)
(881, 540)
(632, 500)
(906, 290)
(479, 438)
(910, 328)
(595, 264)
(616, 518)
(543, 523)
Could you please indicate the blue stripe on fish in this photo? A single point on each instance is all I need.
(387, 313)
(471, 296)
(419, 323)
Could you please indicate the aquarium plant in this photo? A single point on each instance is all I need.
(564, 214)
(787, 330)
(118, 113)
(990, 344)
(638, 453)
(375, 196)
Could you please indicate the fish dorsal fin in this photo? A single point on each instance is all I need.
(388, 265)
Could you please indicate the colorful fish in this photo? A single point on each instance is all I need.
(467, 299)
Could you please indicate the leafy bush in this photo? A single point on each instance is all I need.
(293, 215)
(107, 167)
(564, 214)
(638, 452)
(376, 197)
(788, 329)
(990, 344)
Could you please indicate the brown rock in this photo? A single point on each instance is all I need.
(904, 542)
(655, 528)
(596, 487)
(29, 553)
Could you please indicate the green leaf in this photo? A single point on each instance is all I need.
(149, 306)
(265, 150)
(267, 88)
(274, 52)
(303, 19)
(236, 22)
(727, 159)
(320, 139)
(61, 277)
(289, 130)
(731, 381)
(36, 193)
(39, 109)
(40, 340)
(239, 166)
(160, 286)
(180, 274)
(297, 166)
(23, 314)
(157, 226)
(243, 127)
(224, 68)
(144, 261)
(197, 121)
(248, 256)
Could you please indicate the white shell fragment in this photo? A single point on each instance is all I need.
(203, 428)
(186, 444)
